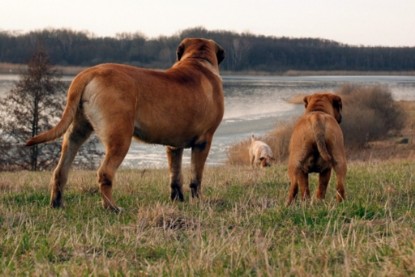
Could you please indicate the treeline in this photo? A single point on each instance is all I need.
(244, 52)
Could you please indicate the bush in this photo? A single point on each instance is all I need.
(369, 113)
(279, 140)
(238, 154)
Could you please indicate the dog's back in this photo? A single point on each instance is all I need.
(317, 134)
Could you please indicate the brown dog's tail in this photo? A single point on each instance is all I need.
(74, 97)
(319, 130)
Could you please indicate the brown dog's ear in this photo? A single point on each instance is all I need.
(337, 102)
(305, 99)
(220, 53)
(338, 106)
(180, 51)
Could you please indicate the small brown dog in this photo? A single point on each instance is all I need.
(260, 154)
(180, 108)
(316, 145)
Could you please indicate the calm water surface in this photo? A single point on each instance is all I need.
(253, 105)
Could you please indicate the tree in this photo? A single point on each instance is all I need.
(32, 106)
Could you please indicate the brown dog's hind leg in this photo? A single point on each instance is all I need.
(302, 179)
(341, 170)
(323, 181)
(292, 191)
(293, 172)
(116, 149)
(299, 180)
(174, 158)
(199, 155)
(74, 137)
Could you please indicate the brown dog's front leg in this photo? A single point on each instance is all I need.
(199, 155)
(174, 158)
(57, 184)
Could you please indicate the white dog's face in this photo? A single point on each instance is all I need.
(265, 162)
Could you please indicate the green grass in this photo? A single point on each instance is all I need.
(239, 228)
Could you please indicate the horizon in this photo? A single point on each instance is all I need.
(361, 23)
(90, 34)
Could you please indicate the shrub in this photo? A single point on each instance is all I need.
(238, 153)
(279, 140)
(369, 114)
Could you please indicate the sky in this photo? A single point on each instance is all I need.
(353, 22)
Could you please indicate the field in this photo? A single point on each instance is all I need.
(240, 227)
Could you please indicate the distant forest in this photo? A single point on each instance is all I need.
(244, 52)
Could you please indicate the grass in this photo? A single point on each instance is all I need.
(240, 227)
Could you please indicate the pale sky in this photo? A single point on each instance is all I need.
(355, 22)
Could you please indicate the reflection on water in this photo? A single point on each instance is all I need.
(254, 105)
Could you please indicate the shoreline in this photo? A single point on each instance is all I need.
(10, 68)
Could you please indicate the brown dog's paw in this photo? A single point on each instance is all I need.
(288, 202)
(195, 189)
(114, 209)
(55, 205)
(176, 195)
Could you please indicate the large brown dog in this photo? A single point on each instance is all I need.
(180, 108)
(316, 145)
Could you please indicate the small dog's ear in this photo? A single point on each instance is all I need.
(180, 51)
(305, 99)
(220, 53)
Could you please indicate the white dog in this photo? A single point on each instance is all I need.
(260, 154)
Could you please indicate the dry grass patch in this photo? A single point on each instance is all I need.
(239, 227)
(165, 217)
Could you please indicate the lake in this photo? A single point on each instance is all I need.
(253, 105)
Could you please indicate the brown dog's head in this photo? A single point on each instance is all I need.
(324, 102)
(205, 49)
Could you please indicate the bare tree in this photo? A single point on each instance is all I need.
(32, 106)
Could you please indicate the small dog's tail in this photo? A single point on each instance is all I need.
(319, 130)
(72, 102)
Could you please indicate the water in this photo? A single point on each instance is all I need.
(254, 105)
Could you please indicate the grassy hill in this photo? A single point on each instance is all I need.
(239, 227)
